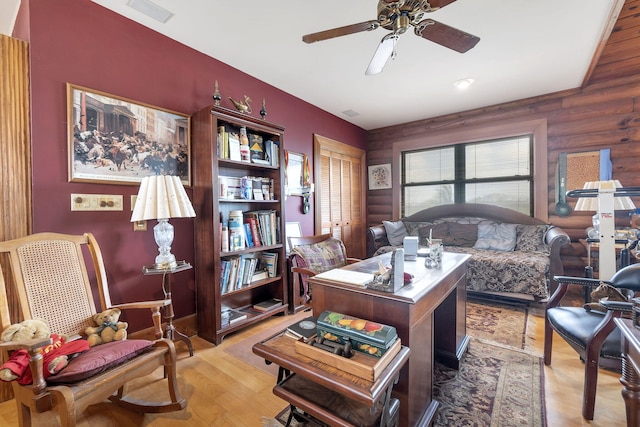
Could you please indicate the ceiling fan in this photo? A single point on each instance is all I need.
(397, 16)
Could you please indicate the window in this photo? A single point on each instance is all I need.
(498, 172)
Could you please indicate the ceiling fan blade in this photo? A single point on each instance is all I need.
(384, 51)
(445, 35)
(340, 31)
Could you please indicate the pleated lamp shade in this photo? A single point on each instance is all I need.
(162, 196)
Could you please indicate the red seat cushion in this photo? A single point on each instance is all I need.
(98, 359)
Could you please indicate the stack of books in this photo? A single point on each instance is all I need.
(304, 329)
(231, 315)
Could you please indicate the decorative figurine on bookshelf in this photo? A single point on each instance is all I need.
(216, 95)
(263, 110)
(242, 106)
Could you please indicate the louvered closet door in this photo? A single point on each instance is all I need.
(339, 197)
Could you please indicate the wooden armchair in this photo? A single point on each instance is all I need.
(592, 334)
(49, 280)
(312, 255)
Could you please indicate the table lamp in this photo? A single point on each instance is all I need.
(605, 197)
(162, 197)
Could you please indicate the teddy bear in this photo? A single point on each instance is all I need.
(107, 328)
(55, 355)
(607, 291)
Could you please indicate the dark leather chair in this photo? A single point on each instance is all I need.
(592, 334)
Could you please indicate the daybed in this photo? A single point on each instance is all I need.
(512, 254)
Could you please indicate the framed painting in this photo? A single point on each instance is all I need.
(379, 176)
(295, 163)
(118, 141)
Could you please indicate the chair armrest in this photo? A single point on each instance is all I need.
(353, 260)
(376, 237)
(581, 281)
(143, 304)
(623, 306)
(29, 345)
(555, 238)
(303, 270)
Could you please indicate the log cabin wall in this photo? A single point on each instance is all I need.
(604, 113)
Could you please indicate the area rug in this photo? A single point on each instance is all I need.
(499, 384)
(496, 386)
(499, 323)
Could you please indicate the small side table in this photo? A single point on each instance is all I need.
(170, 332)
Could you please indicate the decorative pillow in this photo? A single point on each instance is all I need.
(98, 359)
(322, 256)
(438, 231)
(396, 232)
(463, 235)
(413, 228)
(498, 237)
(530, 238)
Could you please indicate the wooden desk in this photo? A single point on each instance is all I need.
(280, 350)
(630, 370)
(429, 316)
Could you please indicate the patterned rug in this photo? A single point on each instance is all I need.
(498, 384)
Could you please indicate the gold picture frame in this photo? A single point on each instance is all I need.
(115, 140)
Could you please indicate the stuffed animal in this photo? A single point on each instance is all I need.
(55, 355)
(108, 328)
(601, 292)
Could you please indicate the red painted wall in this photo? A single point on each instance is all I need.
(79, 42)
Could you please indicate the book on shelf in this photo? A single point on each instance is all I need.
(229, 316)
(259, 275)
(304, 329)
(270, 261)
(253, 223)
(234, 145)
(268, 305)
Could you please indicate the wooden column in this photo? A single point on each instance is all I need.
(15, 149)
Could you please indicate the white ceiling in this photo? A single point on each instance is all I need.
(526, 48)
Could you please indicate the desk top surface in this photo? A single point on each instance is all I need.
(424, 279)
(280, 349)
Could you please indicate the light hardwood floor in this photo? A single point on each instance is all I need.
(223, 391)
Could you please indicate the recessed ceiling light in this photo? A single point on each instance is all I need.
(350, 113)
(463, 83)
(150, 9)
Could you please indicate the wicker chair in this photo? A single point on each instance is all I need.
(49, 280)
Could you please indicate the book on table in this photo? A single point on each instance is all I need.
(351, 277)
(304, 329)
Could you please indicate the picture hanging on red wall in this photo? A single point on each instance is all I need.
(118, 141)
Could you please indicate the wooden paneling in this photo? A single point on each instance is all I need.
(15, 137)
(15, 150)
(604, 113)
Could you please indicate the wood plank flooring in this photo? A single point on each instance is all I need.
(223, 391)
